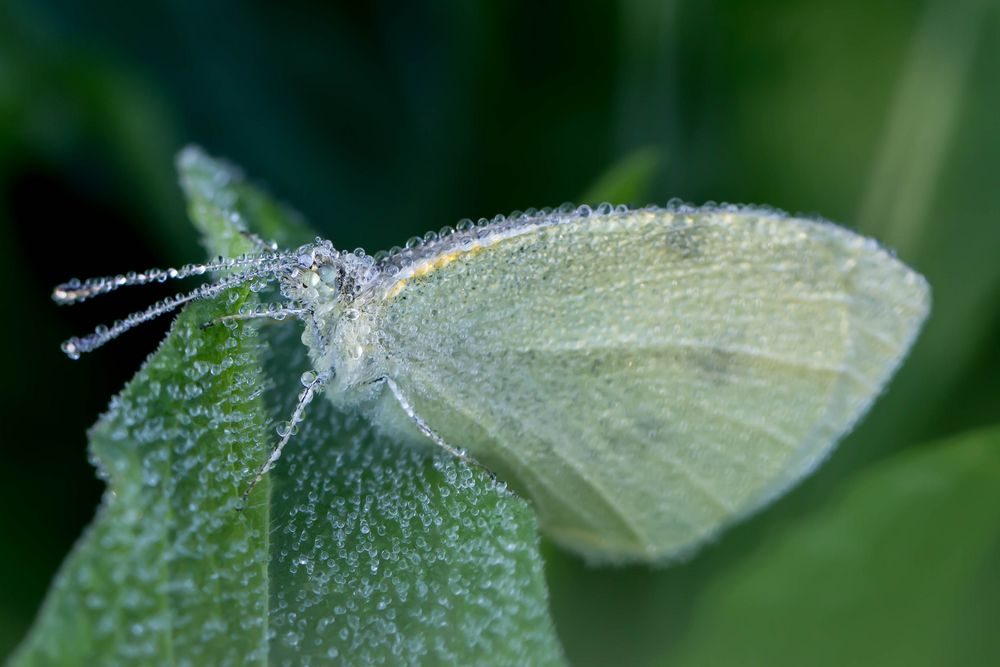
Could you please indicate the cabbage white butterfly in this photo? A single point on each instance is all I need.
(644, 376)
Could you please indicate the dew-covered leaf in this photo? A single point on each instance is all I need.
(169, 572)
(221, 203)
(366, 551)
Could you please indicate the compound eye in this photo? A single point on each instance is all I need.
(328, 274)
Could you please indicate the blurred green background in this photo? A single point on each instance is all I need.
(382, 120)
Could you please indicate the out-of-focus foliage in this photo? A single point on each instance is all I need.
(924, 525)
(384, 121)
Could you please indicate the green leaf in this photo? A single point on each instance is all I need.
(902, 567)
(169, 572)
(366, 551)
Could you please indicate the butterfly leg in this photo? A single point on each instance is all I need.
(287, 430)
(261, 244)
(429, 432)
(276, 314)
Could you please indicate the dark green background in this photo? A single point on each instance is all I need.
(382, 120)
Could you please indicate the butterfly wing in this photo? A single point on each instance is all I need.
(645, 378)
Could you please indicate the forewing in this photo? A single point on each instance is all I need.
(647, 377)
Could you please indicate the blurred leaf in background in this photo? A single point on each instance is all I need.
(383, 121)
(873, 584)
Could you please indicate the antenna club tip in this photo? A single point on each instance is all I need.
(62, 295)
(71, 348)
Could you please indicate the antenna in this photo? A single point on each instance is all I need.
(75, 291)
(264, 266)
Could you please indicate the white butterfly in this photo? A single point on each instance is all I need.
(643, 376)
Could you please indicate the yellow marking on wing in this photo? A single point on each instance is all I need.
(433, 264)
(396, 289)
